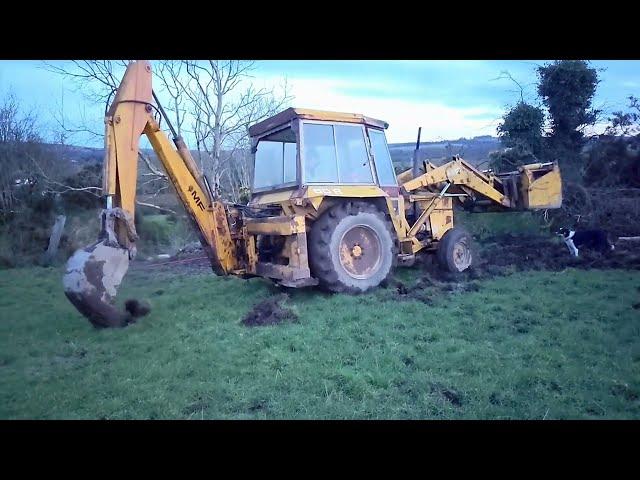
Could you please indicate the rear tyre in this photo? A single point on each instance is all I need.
(454, 251)
(351, 248)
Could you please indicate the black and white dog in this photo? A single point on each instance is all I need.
(587, 239)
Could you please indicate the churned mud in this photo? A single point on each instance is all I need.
(543, 253)
(505, 254)
(137, 308)
(270, 312)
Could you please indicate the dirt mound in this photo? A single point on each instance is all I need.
(545, 253)
(270, 312)
(136, 308)
(448, 394)
(505, 254)
(427, 286)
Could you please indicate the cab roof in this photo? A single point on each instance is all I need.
(306, 114)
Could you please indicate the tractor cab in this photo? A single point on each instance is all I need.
(311, 148)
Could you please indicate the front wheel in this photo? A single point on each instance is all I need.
(454, 251)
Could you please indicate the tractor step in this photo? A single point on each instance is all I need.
(302, 282)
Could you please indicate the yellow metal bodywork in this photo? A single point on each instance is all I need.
(283, 225)
(541, 188)
(459, 172)
(420, 209)
(130, 116)
(210, 216)
(234, 250)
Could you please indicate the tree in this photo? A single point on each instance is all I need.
(19, 144)
(614, 160)
(521, 133)
(522, 127)
(626, 123)
(567, 88)
(217, 99)
(223, 104)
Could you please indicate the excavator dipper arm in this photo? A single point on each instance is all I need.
(94, 273)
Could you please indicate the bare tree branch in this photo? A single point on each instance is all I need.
(154, 171)
(150, 205)
(217, 98)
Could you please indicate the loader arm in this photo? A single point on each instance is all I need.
(531, 187)
(94, 273)
(458, 172)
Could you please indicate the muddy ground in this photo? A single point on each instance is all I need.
(494, 256)
(508, 252)
(270, 312)
(505, 254)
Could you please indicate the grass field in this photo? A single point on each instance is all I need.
(530, 345)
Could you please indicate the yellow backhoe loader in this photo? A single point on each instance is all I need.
(326, 207)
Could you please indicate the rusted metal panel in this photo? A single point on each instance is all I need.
(250, 249)
(284, 225)
(541, 186)
(282, 272)
(440, 221)
(271, 197)
(307, 114)
(297, 272)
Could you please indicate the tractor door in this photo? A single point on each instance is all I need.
(382, 158)
(335, 154)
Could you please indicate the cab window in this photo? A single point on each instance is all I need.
(275, 160)
(335, 154)
(320, 161)
(382, 158)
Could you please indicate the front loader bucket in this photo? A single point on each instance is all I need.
(92, 277)
(541, 186)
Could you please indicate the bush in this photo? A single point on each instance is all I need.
(24, 239)
(88, 176)
(155, 230)
(613, 161)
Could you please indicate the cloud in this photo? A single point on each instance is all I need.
(438, 120)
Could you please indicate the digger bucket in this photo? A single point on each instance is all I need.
(92, 277)
(94, 273)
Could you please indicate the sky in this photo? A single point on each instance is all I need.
(448, 99)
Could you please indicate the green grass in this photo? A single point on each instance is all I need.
(163, 234)
(528, 346)
(483, 225)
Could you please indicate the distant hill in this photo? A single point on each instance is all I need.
(74, 155)
(474, 150)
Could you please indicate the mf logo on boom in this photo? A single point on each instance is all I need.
(197, 199)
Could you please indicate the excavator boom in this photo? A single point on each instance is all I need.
(94, 273)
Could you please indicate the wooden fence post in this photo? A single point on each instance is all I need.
(54, 240)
